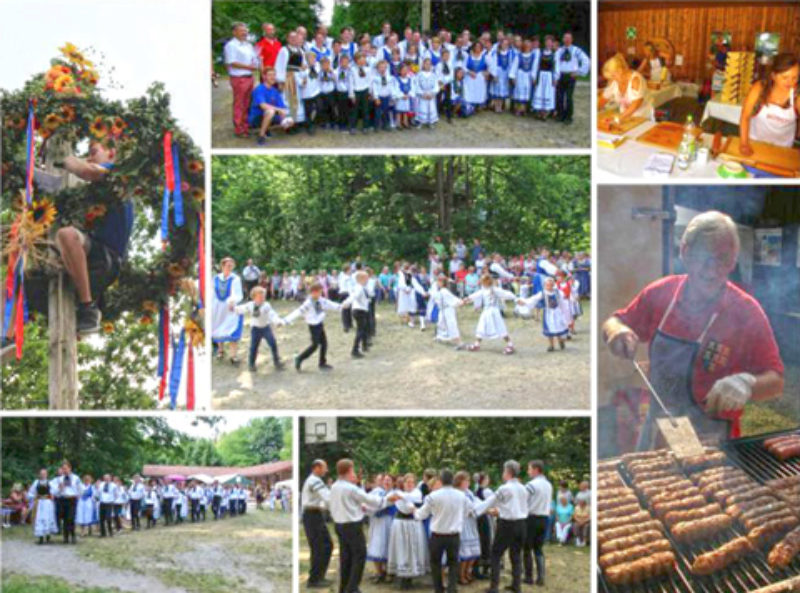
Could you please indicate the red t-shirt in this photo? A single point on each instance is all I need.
(739, 341)
(268, 51)
(461, 274)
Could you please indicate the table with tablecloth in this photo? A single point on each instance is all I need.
(729, 112)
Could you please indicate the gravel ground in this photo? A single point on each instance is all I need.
(406, 369)
(483, 130)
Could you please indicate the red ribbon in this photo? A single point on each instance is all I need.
(19, 330)
(163, 386)
(190, 378)
(169, 169)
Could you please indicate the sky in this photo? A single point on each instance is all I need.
(326, 15)
(144, 40)
(231, 421)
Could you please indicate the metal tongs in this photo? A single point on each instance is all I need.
(678, 432)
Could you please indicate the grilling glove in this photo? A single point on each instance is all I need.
(730, 393)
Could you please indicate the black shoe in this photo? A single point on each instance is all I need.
(41, 541)
(251, 368)
(481, 577)
(88, 318)
(318, 584)
(528, 580)
(297, 363)
(279, 366)
(510, 588)
(562, 344)
(325, 367)
(356, 355)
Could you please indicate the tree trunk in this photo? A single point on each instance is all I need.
(63, 352)
(440, 195)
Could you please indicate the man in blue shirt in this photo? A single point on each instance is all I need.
(93, 258)
(267, 107)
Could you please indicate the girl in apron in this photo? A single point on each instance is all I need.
(770, 111)
(475, 85)
(546, 74)
(672, 362)
(226, 324)
(522, 68)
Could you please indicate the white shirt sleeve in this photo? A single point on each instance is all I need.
(281, 62)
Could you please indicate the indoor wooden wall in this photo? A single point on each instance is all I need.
(689, 26)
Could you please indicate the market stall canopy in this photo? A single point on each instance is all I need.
(272, 472)
(285, 484)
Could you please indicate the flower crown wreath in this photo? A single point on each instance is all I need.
(157, 166)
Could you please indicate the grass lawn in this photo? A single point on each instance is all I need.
(16, 583)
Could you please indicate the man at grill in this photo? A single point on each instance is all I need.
(315, 497)
(711, 346)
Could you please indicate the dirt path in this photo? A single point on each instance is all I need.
(406, 369)
(568, 571)
(249, 554)
(483, 130)
(64, 563)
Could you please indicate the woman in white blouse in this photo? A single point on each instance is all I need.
(627, 89)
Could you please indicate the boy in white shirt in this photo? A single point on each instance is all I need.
(262, 316)
(309, 80)
(382, 96)
(359, 302)
(313, 310)
(361, 76)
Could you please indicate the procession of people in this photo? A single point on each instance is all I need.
(395, 81)
(449, 525)
(67, 503)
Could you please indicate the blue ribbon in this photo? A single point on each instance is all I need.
(177, 367)
(28, 155)
(177, 196)
(165, 215)
(19, 278)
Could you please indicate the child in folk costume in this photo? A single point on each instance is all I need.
(522, 74)
(413, 59)
(406, 295)
(408, 544)
(460, 106)
(554, 326)
(313, 310)
(447, 321)
(380, 527)
(358, 302)
(445, 74)
(86, 513)
(43, 516)
(469, 551)
(403, 97)
(426, 89)
(501, 59)
(546, 75)
(226, 325)
(477, 73)
(564, 285)
(421, 284)
(120, 501)
(382, 91)
(308, 83)
(575, 300)
(359, 94)
(262, 317)
(327, 97)
(343, 77)
(490, 323)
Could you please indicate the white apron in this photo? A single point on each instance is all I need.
(775, 124)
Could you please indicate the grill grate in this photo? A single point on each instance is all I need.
(748, 574)
(749, 454)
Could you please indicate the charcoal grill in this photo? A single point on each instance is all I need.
(746, 575)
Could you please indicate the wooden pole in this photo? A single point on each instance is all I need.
(61, 321)
(63, 348)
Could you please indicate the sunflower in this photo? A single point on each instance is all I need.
(52, 121)
(42, 214)
(175, 270)
(146, 320)
(194, 332)
(91, 76)
(108, 327)
(150, 306)
(118, 127)
(198, 194)
(99, 128)
(195, 166)
(63, 84)
(74, 55)
(44, 133)
(67, 113)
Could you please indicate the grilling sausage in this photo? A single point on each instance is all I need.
(623, 543)
(722, 557)
(791, 585)
(764, 534)
(620, 501)
(701, 529)
(693, 502)
(761, 502)
(627, 509)
(628, 530)
(784, 552)
(614, 558)
(675, 517)
(637, 571)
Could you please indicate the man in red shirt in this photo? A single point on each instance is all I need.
(268, 46)
(711, 347)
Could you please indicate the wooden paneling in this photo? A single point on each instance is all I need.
(689, 26)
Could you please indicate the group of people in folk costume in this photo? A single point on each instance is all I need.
(390, 83)
(546, 291)
(61, 503)
(421, 527)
